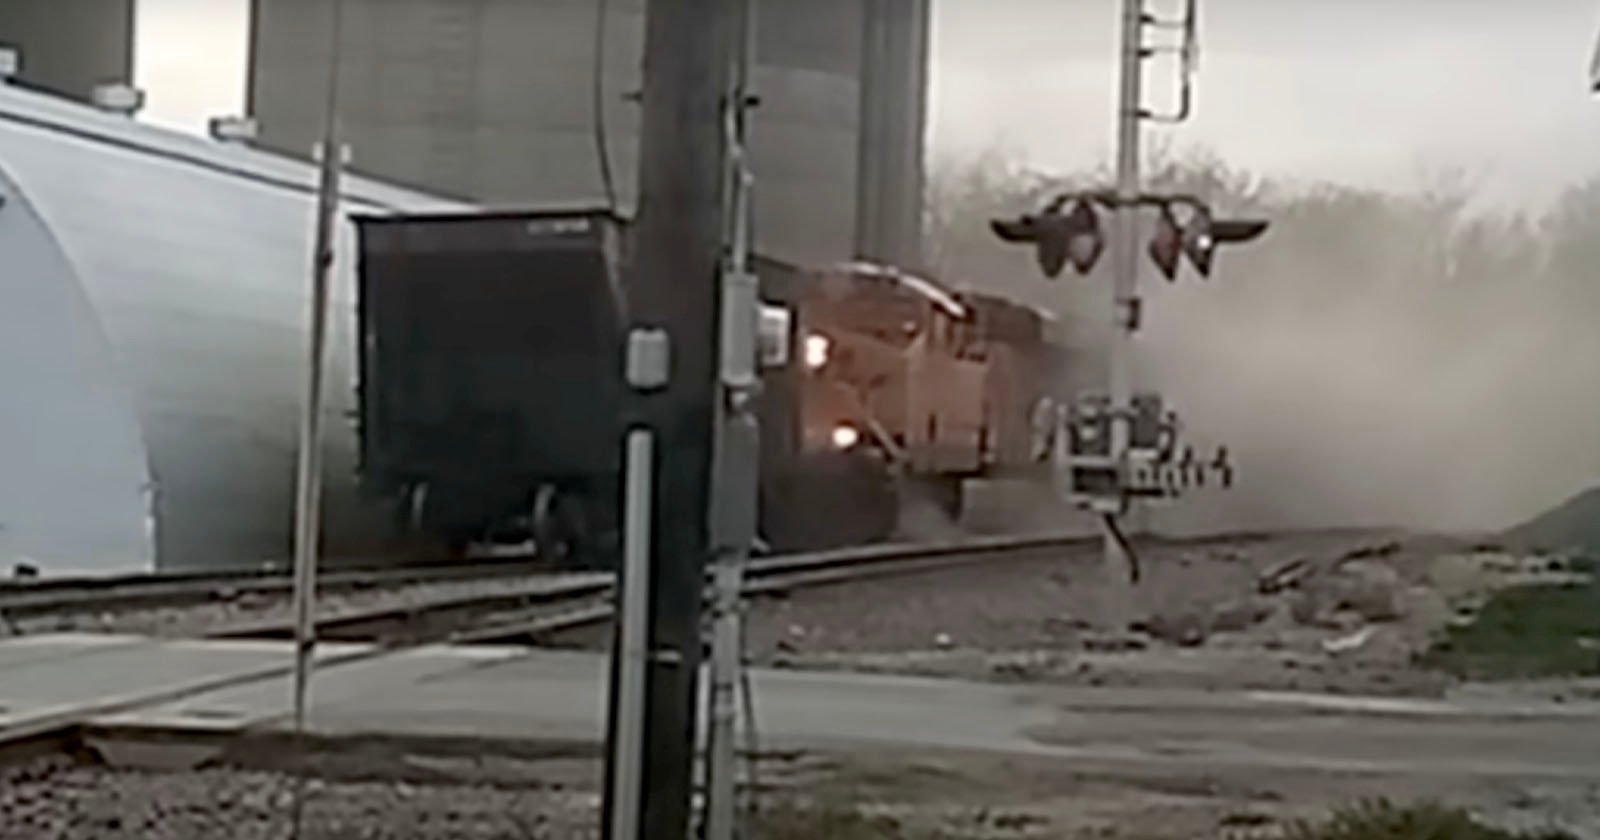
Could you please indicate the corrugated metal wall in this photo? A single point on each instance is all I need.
(493, 100)
(70, 46)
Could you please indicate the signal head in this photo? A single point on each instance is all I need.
(1058, 238)
(1203, 234)
(1081, 237)
(1021, 229)
(1166, 247)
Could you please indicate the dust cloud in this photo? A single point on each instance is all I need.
(1380, 358)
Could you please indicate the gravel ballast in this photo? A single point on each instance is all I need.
(59, 801)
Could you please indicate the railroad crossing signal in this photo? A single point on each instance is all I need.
(1076, 236)
(1103, 455)
(1058, 238)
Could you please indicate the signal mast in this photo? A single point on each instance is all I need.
(1111, 450)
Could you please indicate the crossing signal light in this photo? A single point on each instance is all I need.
(1058, 238)
(1203, 234)
(1166, 248)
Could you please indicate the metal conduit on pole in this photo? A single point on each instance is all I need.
(735, 472)
(308, 478)
(1125, 296)
(627, 774)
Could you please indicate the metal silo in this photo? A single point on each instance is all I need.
(69, 46)
(497, 101)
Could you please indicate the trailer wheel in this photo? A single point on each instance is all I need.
(560, 528)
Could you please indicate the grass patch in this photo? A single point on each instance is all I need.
(1525, 632)
(1383, 820)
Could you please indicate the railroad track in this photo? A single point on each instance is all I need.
(537, 609)
(515, 588)
(533, 609)
(25, 599)
(529, 610)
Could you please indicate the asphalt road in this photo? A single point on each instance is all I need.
(506, 694)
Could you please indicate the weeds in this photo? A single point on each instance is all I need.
(1383, 820)
(1525, 632)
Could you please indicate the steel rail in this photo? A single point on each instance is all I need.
(766, 575)
(565, 605)
(21, 599)
(551, 607)
(128, 592)
(586, 602)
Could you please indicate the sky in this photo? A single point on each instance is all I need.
(1372, 92)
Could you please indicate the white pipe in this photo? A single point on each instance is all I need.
(1125, 265)
(308, 479)
(628, 749)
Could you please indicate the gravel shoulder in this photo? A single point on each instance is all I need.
(399, 795)
(1317, 612)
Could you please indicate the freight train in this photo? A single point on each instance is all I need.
(492, 403)
(152, 346)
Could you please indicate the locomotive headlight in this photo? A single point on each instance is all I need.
(845, 437)
(818, 349)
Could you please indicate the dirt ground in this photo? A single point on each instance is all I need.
(1316, 612)
(396, 795)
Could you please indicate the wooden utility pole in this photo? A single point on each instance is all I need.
(673, 286)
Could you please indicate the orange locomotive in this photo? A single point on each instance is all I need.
(898, 384)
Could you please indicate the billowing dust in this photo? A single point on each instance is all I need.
(1401, 359)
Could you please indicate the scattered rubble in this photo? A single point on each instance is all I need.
(1185, 627)
(1292, 613)
(1388, 548)
(1345, 644)
(1112, 642)
(1366, 590)
(1283, 576)
(1239, 615)
(1372, 590)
